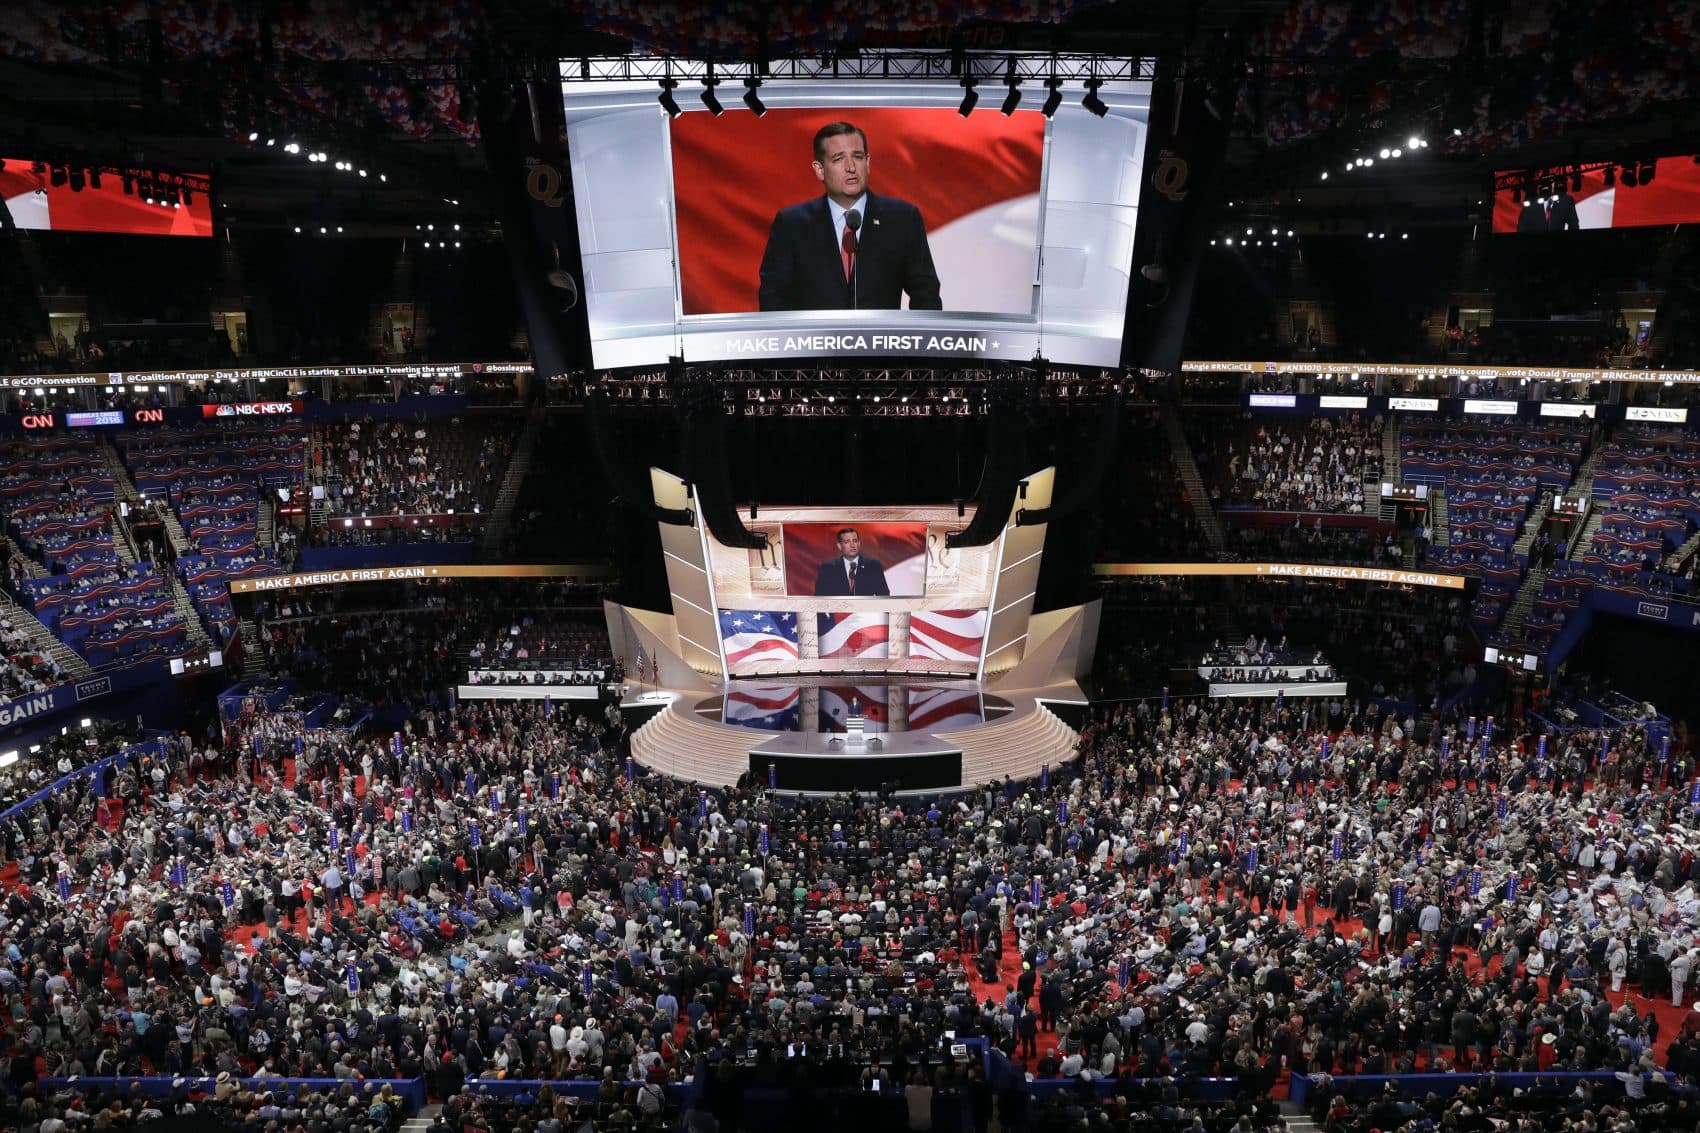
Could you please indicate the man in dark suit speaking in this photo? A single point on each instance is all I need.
(849, 249)
(1550, 214)
(851, 573)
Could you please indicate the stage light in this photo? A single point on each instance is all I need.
(752, 99)
(1011, 101)
(58, 177)
(1630, 178)
(1648, 171)
(1091, 101)
(1385, 153)
(298, 228)
(94, 179)
(1289, 232)
(129, 186)
(1248, 232)
(292, 148)
(188, 196)
(1611, 176)
(362, 173)
(1368, 161)
(1413, 142)
(970, 97)
(1397, 153)
(1229, 241)
(1325, 174)
(710, 99)
(668, 103)
(1053, 100)
(76, 179)
(1457, 132)
(253, 135)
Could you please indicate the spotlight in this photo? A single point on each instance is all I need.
(1229, 241)
(970, 97)
(1648, 171)
(1289, 232)
(1611, 176)
(58, 177)
(76, 179)
(253, 135)
(292, 148)
(667, 101)
(1011, 101)
(1054, 99)
(1385, 153)
(1368, 161)
(1325, 174)
(94, 179)
(1457, 132)
(1630, 177)
(1397, 153)
(752, 99)
(384, 177)
(298, 228)
(129, 186)
(1413, 142)
(1091, 101)
(188, 196)
(362, 173)
(271, 141)
(710, 99)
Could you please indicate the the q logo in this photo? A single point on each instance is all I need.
(1170, 176)
(543, 182)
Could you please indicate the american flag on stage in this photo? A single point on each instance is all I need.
(854, 635)
(769, 708)
(943, 709)
(753, 638)
(947, 635)
(836, 705)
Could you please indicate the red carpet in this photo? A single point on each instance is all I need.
(1010, 970)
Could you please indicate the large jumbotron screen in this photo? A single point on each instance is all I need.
(990, 236)
(871, 590)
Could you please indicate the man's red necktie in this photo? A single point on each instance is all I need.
(847, 251)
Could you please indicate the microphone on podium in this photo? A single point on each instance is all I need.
(853, 222)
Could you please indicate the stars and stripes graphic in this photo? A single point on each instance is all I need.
(943, 709)
(837, 704)
(855, 636)
(947, 635)
(767, 708)
(756, 638)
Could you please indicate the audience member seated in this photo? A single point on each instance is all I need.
(1288, 464)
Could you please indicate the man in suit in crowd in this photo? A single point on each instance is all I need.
(850, 248)
(851, 572)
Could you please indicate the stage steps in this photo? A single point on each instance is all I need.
(677, 744)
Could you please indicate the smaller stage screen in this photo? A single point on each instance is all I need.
(863, 560)
(876, 590)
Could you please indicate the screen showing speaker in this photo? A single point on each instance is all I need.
(864, 218)
(875, 590)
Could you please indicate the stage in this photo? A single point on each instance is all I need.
(916, 734)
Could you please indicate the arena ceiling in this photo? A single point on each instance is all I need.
(1308, 86)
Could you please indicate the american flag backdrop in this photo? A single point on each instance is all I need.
(856, 636)
(947, 635)
(754, 638)
(943, 709)
(768, 708)
(837, 703)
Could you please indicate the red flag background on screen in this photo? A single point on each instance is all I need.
(947, 635)
(854, 636)
(733, 173)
